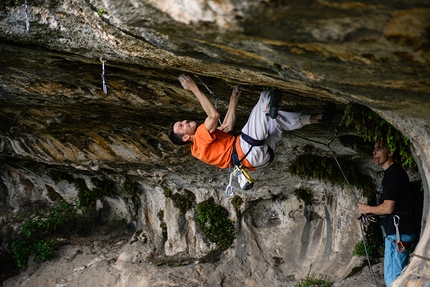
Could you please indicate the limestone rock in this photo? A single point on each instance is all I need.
(54, 115)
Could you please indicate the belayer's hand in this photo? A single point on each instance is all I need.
(363, 208)
(363, 218)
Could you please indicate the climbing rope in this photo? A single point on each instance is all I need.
(336, 131)
(420, 256)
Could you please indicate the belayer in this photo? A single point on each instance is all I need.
(260, 137)
(394, 212)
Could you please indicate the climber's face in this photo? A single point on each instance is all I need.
(186, 128)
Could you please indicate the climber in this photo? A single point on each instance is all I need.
(394, 212)
(260, 137)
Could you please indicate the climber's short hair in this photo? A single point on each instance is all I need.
(176, 138)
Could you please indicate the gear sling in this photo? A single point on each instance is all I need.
(237, 162)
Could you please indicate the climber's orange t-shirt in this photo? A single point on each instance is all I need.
(215, 149)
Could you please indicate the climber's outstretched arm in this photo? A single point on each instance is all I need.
(230, 116)
(211, 121)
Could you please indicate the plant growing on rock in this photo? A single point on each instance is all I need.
(86, 196)
(130, 188)
(374, 128)
(326, 168)
(371, 246)
(215, 224)
(182, 202)
(237, 202)
(101, 12)
(309, 281)
(38, 233)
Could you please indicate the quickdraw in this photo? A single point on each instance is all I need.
(105, 90)
(27, 21)
(401, 246)
(229, 190)
(399, 243)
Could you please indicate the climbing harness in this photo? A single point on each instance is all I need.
(105, 90)
(252, 142)
(27, 21)
(336, 131)
(239, 171)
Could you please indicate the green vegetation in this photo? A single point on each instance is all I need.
(41, 228)
(308, 281)
(101, 12)
(182, 202)
(374, 128)
(215, 224)
(86, 196)
(371, 245)
(326, 168)
(237, 202)
(38, 233)
(131, 190)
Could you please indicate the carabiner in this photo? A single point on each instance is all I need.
(229, 190)
(400, 247)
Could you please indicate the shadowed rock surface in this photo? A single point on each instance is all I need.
(55, 116)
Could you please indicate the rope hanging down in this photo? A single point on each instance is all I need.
(420, 256)
(336, 131)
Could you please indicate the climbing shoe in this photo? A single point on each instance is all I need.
(327, 113)
(275, 99)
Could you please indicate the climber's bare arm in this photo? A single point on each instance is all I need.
(211, 121)
(230, 116)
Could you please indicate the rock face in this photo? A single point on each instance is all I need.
(54, 115)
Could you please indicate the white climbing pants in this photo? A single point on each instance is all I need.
(261, 126)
